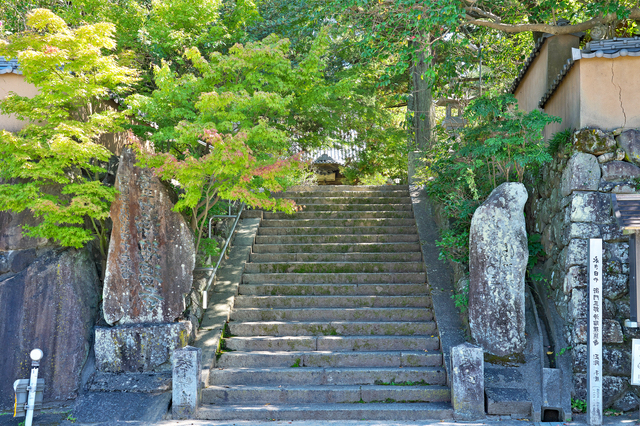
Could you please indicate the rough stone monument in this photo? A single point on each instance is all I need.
(149, 271)
(498, 254)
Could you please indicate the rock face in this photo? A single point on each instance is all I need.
(11, 237)
(151, 254)
(498, 254)
(52, 304)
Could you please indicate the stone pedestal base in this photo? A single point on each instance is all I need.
(139, 347)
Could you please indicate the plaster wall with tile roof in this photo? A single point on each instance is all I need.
(11, 80)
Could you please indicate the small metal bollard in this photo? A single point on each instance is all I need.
(29, 392)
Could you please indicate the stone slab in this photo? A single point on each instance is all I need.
(100, 407)
(130, 382)
(508, 401)
(151, 252)
(145, 347)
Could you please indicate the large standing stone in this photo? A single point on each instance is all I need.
(151, 254)
(630, 141)
(498, 254)
(582, 174)
(52, 304)
(132, 348)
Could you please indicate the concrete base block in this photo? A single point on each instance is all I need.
(467, 381)
(139, 347)
(508, 401)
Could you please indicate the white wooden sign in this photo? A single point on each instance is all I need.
(635, 362)
(594, 347)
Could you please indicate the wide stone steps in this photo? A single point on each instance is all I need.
(332, 343)
(338, 328)
(323, 394)
(314, 223)
(336, 257)
(381, 411)
(338, 230)
(283, 359)
(335, 278)
(333, 267)
(380, 212)
(318, 247)
(333, 317)
(333, 314)
(383, 289)
(365, 208)
(313, 376)
(319, 239)
(361, 301)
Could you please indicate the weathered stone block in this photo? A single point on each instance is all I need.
(581, 174)
(576, 253)
(579, 303)
(609, 309)
(612, 389)
(579, 353)
(143, 347)
(629, 141)
(615, 285)
(611, 331)
(151, 253)
(53, 305)
(575, 278)
(618, 155)
(591, 207)
(593, 141)
(186, 382)
(508, 401)
(624, 188)
(582, 231)
(617, 361)
(612, 233)
(579, 331)
(629, 402)
(616, 251)
(615, 171)
(497, 263)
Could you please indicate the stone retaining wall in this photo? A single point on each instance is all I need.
(570, 202)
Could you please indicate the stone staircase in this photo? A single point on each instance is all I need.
(333, 319)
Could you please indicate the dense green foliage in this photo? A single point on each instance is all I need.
(499, 143)
(54, 166)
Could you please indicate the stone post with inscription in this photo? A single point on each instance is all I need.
(149, 271)
(594, 347)
(186, 382)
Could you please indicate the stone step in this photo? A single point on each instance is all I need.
(335, 278)
(332, 267)
(332, 289)
(350, 239)
(332, 314)
(358, 188)
(336, 257)
(318, 247)
(333, 328)
(372, 411)
(332, 302)
(375, 213)
(312, 376)
(332, 343)
(345, 193)
(333, 208)
(241, 394)
(262, 359)
(332, 223)
(339, 230)
(305, 201)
